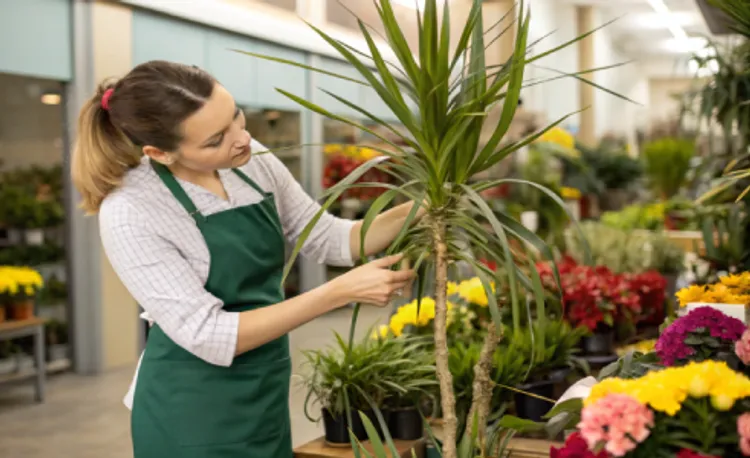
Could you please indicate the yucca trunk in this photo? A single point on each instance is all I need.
(447, 398)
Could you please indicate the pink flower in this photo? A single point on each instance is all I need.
(743, 429)
(742, 347)
(617, 420)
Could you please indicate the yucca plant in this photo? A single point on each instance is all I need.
(738, 11)
(453, 89)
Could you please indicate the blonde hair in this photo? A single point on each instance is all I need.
(146, 107)
(102, 154)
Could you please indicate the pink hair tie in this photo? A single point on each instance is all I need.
(105, 98)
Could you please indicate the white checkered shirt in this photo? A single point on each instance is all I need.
(159, 254)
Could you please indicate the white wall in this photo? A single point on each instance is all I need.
(615, 115)
(557, 98)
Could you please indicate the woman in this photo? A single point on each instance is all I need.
(195, 226)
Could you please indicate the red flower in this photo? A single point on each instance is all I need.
(575, 447)
(593, 296)
(492, 265)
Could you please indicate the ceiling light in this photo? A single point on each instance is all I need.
(51, 98)
(677, 31)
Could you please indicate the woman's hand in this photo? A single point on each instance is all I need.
(373, 283)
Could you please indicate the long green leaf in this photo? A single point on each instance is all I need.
(300, 65)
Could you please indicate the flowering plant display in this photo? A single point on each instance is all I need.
(343, 160)
(730, 289)
(651, 287)
(704, 333)
(19, 283)
(697, 410)
(593, 297)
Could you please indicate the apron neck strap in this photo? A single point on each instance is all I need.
(247, 180)
(177, 191)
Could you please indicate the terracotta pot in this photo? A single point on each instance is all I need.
(2, 313)
(23, 310)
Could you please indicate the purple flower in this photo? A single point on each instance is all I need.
(682, 338)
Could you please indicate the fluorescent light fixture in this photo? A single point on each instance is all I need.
(51, 98)
(695, 45)
(674, 27)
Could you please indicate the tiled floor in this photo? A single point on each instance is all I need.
(84, 417)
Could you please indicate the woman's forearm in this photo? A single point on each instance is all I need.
(383, 230)
(262, 325)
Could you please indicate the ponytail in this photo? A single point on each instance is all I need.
(145, 107)
(102, 154)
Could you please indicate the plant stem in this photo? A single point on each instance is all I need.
(483, 385)
(447, 398)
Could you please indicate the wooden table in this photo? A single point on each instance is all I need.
(318, 449)
(33, 327)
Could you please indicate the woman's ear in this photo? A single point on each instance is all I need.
(159, 156)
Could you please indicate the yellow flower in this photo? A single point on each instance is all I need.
(452, 288)
(666, 390)
(473, 291)
(693, 293)
(380, 333)
(407, 315)
(731, 281)
(742, 299)
(644, 346)
(559, 136)
(570, 193)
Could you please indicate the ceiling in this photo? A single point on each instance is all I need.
(642, 32)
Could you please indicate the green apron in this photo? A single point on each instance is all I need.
(184, 407)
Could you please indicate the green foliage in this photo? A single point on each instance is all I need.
(724, 239)
(560, 345)
(627, 251)
(667, 163)
(739, 11)
(368, 373)
(607, 167)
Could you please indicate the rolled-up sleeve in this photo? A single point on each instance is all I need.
(162, 282)
(330, 240)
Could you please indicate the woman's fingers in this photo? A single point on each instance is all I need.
(388, 261)
(400, 276)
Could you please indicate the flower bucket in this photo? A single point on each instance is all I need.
(739, 311)
(23, 310)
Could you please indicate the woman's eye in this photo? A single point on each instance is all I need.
(217, 142)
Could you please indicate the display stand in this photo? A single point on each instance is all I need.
(32, 327)
(319, 449)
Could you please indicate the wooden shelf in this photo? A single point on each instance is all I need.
(53, 367)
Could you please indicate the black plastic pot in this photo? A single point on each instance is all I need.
(406, 424)
(599, 343)
(532, 408)
(337, 427)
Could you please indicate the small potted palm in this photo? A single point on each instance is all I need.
(411, 375)
(343, 381)
(549, 367)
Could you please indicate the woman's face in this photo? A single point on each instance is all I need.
(214, 137)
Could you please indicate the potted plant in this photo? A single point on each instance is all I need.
(667, 162)
(362, 376)
(453, 89)
(549, 367)
(29, 283)
(411, 378)
(596, 299)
